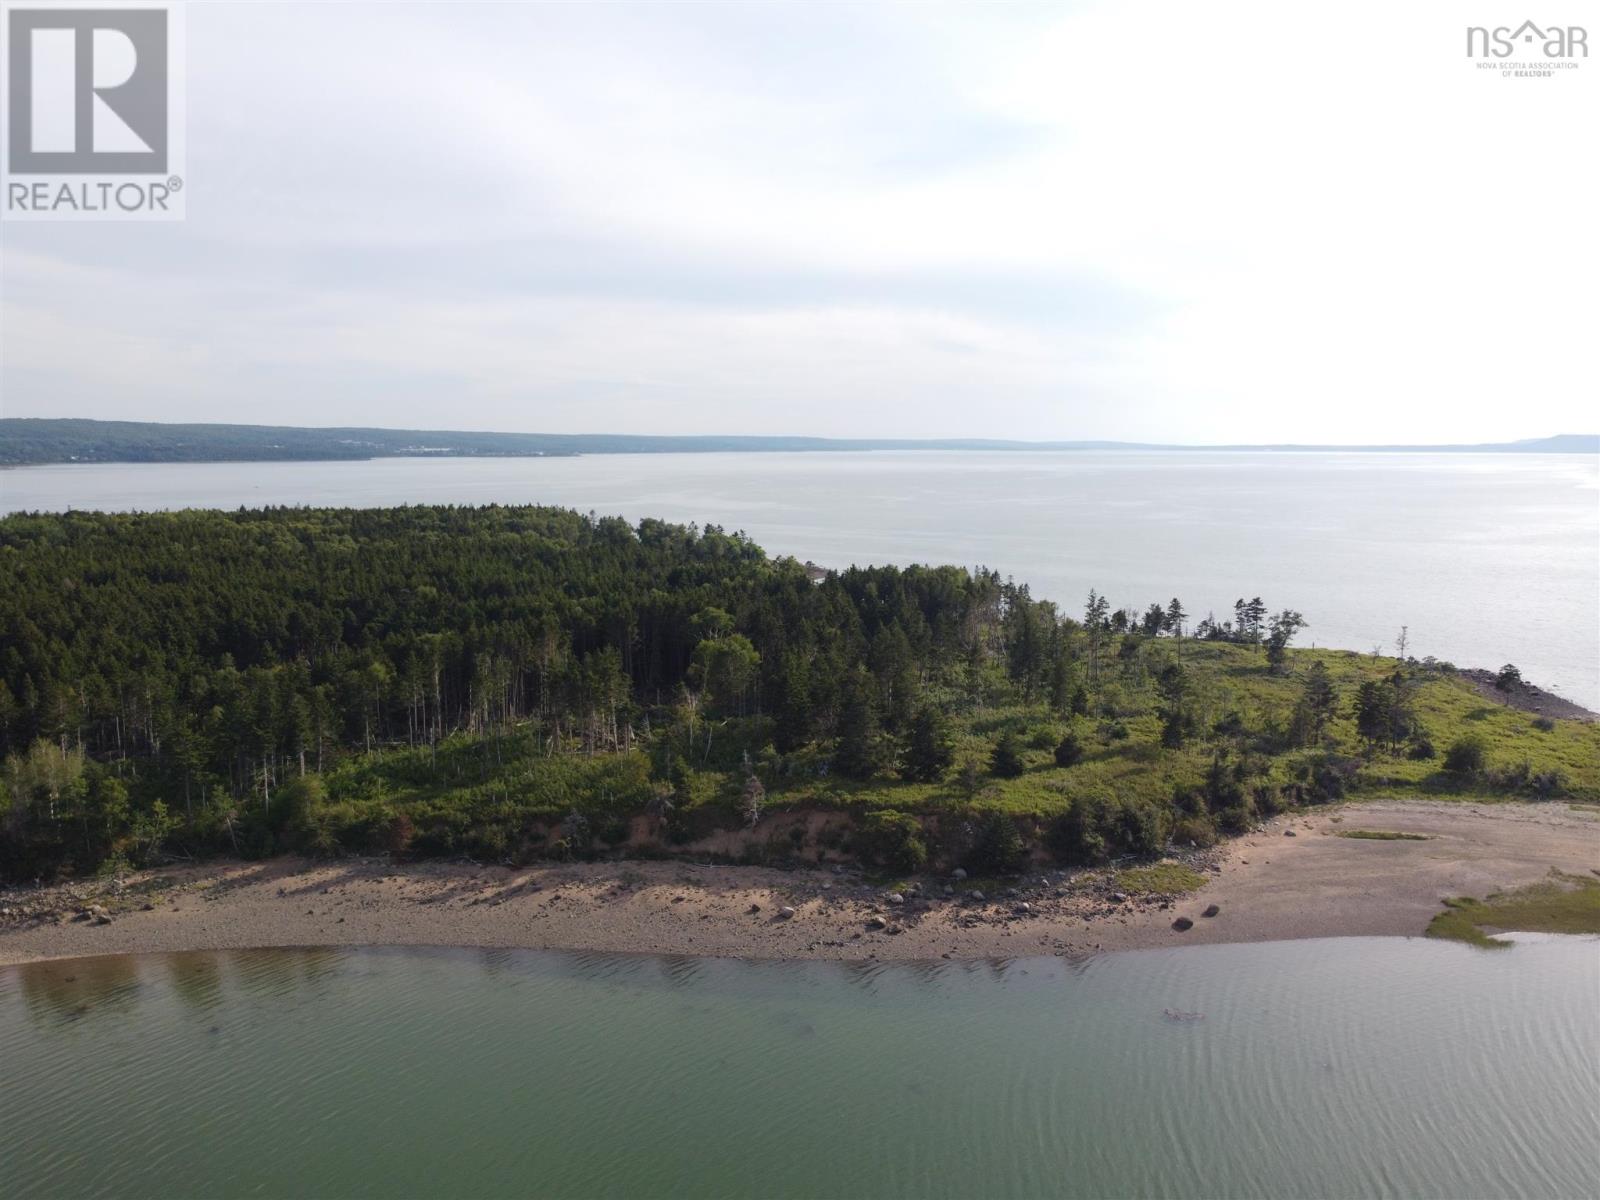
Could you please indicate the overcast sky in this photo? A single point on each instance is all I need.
(1189, 222)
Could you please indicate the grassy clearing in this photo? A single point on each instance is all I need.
(1382, 835)
(508, 795)
(1162, 879)
(1123, 755)
(1562, 904)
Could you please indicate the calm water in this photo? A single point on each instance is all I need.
(1325, 1068)
(1488, 558)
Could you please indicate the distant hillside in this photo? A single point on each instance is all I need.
(33, 440)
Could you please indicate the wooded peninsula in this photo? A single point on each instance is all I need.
(516, 683)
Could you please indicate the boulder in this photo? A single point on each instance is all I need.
(1288, 833)
(1212, 910)
(895, 898)
(786, 912)
(876, 922)
(1024, 909)
(958, 873)
(1183, 923)
(974, 894)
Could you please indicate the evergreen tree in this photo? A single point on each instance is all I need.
(1006, 761)
(1316, 708)
(931, 749)
(1173, 619)
(1177, 720)
(795, 720)
(1154, 620)
(859, 752)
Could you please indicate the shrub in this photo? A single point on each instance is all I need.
(1421, 748)
(1096, 827)
(1547, 785)
(1069, 751)
(1230, 724)
(1269, 800)
(1138, 827)
(1074, 836)
(1196, 831)
(1465, 758)
(1236, 820)
(397, 834)
(997, 847)
(1324, 778)
(1544, 724)
(892, 839)
(1510, 779)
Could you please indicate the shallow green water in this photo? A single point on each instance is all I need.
(1321, 1068)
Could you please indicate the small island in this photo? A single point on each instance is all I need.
(510, 704)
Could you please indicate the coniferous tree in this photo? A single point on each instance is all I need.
(1177, 719)
(859, 753)
(1173, 619)
(1006, 761)
(1316, 708)
(931, 749)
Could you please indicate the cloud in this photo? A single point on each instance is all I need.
(1219, 222)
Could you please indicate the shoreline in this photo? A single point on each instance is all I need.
(1292, 878)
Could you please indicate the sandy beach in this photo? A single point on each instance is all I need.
(1293, 878)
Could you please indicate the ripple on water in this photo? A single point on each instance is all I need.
(1320, 1068)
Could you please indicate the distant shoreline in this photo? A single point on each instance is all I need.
(1267, 886)
(37, 441)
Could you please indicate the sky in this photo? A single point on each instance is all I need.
(1185, 222)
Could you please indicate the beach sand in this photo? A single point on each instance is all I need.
(1267, 886)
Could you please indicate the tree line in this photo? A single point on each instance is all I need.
(169, 658)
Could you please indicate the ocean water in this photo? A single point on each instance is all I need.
(1332, 1068)
(1486, 558)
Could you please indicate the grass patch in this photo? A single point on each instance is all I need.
(1562, 904)
(1163, 879)
(1381, 835)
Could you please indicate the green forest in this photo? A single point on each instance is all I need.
(512, 683)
